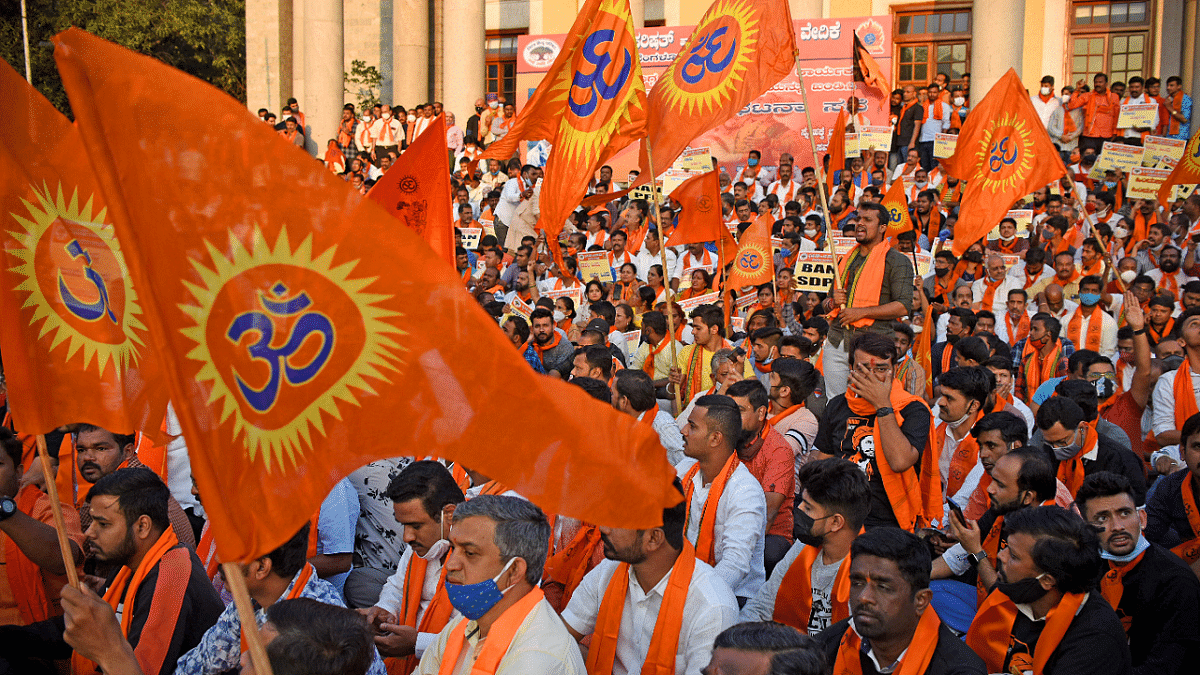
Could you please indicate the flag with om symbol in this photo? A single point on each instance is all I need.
(1003, 153)
(303, 333)
(416, 190)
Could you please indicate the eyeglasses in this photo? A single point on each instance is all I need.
(1096, 377)
(1058, 445)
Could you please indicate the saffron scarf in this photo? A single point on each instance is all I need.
(863, 289)
(966, 454)
(1090, 336)
(783, 415)
(652, 352)
(436, 616)
(1157, 335)
(569, 564)
(1020, 331)
(541, 350)
(989, 293)
(1190, 549)
(706, 537)
(991, 630)
(1112, 585)
(793, 601)
(1070, 471)
(207, 550)
(660, 659)
(1039, 368)
(1185, 396)
(915, 660)
(498, 640)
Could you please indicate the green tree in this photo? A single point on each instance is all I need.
(363, 82)
(205, 38)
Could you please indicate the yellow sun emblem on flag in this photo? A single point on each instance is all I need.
(1005, 153)
(285, 339)
(712, 65)
(750, 259)
(75, 280)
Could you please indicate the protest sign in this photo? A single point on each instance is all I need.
(944, 144)
(1137, 116)
(594, 265)
(814, 271)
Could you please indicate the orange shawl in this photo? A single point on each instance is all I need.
(863, 290)
(436, 616)
(1091, 336)
(1039, 368)
(653, 351)
(991, 631)
(498, 639)
(569, 564)
(989, 293)
(1185, 396)
(1018, 332)
(915, 660)
(1190, 549)
(1070, 471)
(964, 457)
(793, 601)
(706, 539)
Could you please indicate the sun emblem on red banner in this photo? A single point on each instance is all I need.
(1005, 153)
(751, 259)
(285, 339)
(707, 73)
(76, 282)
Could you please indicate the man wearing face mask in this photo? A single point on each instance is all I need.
(960, 323)
(1154, 592)
(1074, 445)
(498, 547)
(1088, 326)
(1042, 616)
(1044, 101)
(964, 394)
(386, 132)
(991, 292)
(809, 588)
(1168, 278)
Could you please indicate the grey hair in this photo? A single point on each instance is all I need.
(721, 356)
(521, 529)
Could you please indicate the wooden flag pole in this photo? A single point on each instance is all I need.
(1092, 229)
(245, 610)
(56, 508)
(812, 144)
(656, 198)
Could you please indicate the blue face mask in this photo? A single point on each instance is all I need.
(1089, 299)
(1110, 184)
(475, 600)
(752, 161)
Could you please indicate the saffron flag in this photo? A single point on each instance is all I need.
(303, 334)
(1003, 153)
(896, 203)
(753, 264)
(836, 151)
(738, 50)
(416, 190)
(867, 70)
(73, 333)
(1186, 172)
(700, 212)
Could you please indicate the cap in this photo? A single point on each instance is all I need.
(492, 97)
(598, 325)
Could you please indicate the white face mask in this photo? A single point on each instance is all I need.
(917, 329)
(1120, 232)
(811, 234)
(1046, 91)
(1007, 239)
(440, 546)
(1128, 276)
(922, 183)
(559, 316)
(387, 115)
(412, 118)
(494, 104)
(958, 100)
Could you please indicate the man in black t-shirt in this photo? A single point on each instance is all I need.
(891, 621)
(848, 427)
(1156, 596)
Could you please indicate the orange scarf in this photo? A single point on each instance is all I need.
(207, 550)
(989, 293)
(793, 602)
(498, 640)
(1157, 335)
(991, 631)
(660, 659)
(788, 411)
(706, 538)
(1170, 283)
(1039, 368)
(914, 500)
(915, 660)
(569, 564)
(864, 288)
(1020, 332)
(541, 351)
(1091, 336)
(1175, 106)
(964, 457)
(648, 364)
(1070, 471)
(1185, 396)
(167, 601)
(24, 576)
(953, 193)
(436, 616)
(1190, 549)
(1112, 585)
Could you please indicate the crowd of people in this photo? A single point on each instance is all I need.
(938, 464)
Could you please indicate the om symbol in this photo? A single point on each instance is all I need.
(1000, 156)
(750, 260)
(276, 358)
(594, 82)
(711, 45)
(87, 311)
(895, 214)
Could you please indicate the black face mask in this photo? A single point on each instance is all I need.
(973, 256)
(478, 109)
(804, 525)
(941, 271)
(1023, 592)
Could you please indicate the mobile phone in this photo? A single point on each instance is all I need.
(956, 510)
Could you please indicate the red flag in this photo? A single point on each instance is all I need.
(1003, 153)
(73, 333)
(304, 334)
(416, 190)
(739, 50)
(896, 202)
(836, 151)
(700, 214)
(1186, 172)
(753, 265)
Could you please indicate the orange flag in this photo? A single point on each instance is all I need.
(1186, 172)
(753, 264)
(73, 333)
(1003, 153)
(416, 190)
(700, 213)
(867, 71)
(590, 105)
(896, 202)
(739, 50)
(304, 334)
(836, 151)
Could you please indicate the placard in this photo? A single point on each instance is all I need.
(1144, 182)
(1137, 116)
(692, 303)
(923, 260)
(944, 144)
(738, 324)
(776, 244)
(1024, 218)
(520, 307)
(875, 138)
(843, 245)
(1116, 157)
(694, 160)
(632, 338)
(851, 145)
(1182, 192)
(594, 265)
(1167, 151)
(575, 293)
(814, 271)
(471, 237)
(645, 192)
(673, 179)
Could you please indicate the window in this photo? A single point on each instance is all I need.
(501, 55)
(1110, 37)
(931, 41)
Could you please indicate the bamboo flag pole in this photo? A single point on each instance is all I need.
(662, 252)
(60, 527)
(245, 610)
(812, 144)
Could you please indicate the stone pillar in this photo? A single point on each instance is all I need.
(464, 67)
(298, 53)
(324, 82)
(1190, 58)
(1052, 63)
(806, 9)
(268, 53)
(438, 35)
(410, 52)
(997, 43)
(638, 9)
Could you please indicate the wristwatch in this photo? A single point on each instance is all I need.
(884, 412)
(1141, 331)
(977, 558)
(7, 508)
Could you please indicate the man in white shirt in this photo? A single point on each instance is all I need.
(648, 256)
(937, 121)
(387, 133)
(1135, 94)
(1045, 102)
(424, 497)
(652, 565)
(732, 536)
(1089, 321)
(997, 283)
(633, 394)
(785, 188)
(515, 191)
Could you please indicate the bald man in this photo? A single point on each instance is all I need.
(991, 292)
(1053, 302)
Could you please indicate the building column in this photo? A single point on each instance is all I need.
(410, 52)
(997, 43)
(268, 53)
(324, 79)
(806, 9)
(463, 72)
(637, 8)
(1190, 58)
